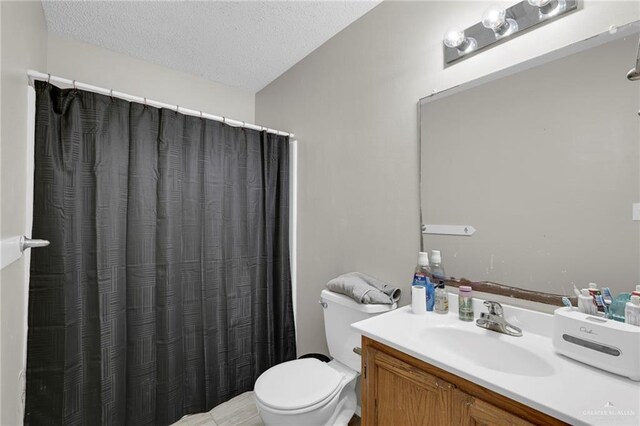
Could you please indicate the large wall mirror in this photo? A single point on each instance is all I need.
(543, 161)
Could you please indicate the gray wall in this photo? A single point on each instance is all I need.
(105, 68)
(545, 164)
(24, 46)
(352, 104)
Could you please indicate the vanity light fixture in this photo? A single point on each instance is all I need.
(499, 24)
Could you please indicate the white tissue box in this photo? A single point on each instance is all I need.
(603, 343)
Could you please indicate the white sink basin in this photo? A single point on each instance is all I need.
(489, 349)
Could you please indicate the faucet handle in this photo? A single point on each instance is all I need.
(494, 308)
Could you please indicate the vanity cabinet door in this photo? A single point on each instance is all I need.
(470, 411)
(397, 393)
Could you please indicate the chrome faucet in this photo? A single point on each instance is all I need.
(494, 320)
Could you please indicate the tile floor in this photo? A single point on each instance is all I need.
(239, 411)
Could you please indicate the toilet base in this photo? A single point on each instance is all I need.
(346, 409)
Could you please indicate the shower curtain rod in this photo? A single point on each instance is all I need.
(35, 75)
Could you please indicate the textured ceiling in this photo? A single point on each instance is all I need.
(243, 44)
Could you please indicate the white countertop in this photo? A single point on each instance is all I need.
(551, 383)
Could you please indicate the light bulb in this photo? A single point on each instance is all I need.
(539, 3)
(494, 18)
(547, 8)
(453, 37)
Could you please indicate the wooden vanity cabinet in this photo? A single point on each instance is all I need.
(470, 411)
(398, 389)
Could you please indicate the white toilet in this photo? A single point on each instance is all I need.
(311, 392)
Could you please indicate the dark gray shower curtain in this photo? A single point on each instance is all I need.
(166, 288)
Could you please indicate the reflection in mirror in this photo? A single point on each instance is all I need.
(544, 163)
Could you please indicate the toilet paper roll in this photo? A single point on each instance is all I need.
(419, 299)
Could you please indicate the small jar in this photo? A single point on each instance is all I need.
(465, 303)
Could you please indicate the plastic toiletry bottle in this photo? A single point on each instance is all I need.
(636, 292)
(422, 275)
(465, 303)
(442, 300)
(593, 289)
(585, 303)
(617, 307)
(422, 270)
(438, 277)
(437, 270)
(431, 295)
(632, 311)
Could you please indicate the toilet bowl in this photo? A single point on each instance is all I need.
(311, 392)
(306, 392)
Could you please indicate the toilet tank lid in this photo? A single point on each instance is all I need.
(348, 302)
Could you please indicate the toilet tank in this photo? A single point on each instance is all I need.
(340, 312)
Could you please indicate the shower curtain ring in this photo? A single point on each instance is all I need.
(177, 109)
(201, 114)
(74, 86)
(224, 120)
(145, 103)
(111, 94)
(48, 78)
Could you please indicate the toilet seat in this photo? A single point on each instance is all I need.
(298, 386)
